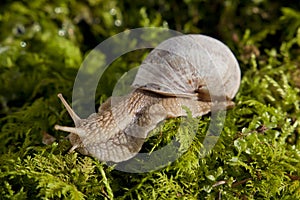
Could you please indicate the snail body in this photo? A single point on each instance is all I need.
(183, 71)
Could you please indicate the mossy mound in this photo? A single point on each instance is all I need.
(42, 45)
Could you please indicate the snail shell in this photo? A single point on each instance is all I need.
(184, 66)
(182, 71)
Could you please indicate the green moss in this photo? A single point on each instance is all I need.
(257, 156)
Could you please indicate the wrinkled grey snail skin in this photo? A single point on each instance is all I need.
(183, 71)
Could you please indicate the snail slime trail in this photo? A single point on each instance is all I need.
(184, 71)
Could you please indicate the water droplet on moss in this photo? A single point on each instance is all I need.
(118, 22)
(23, 44)
(113, 11)
(36, 27)
(58, 10)
(62, 32)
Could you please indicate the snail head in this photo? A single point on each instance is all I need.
(77, 132)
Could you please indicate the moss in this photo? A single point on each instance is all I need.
(257, 156)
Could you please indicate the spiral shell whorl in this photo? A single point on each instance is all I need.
(185, 65)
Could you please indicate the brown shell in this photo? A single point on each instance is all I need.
(194, 66)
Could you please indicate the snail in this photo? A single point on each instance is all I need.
(182, 71)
